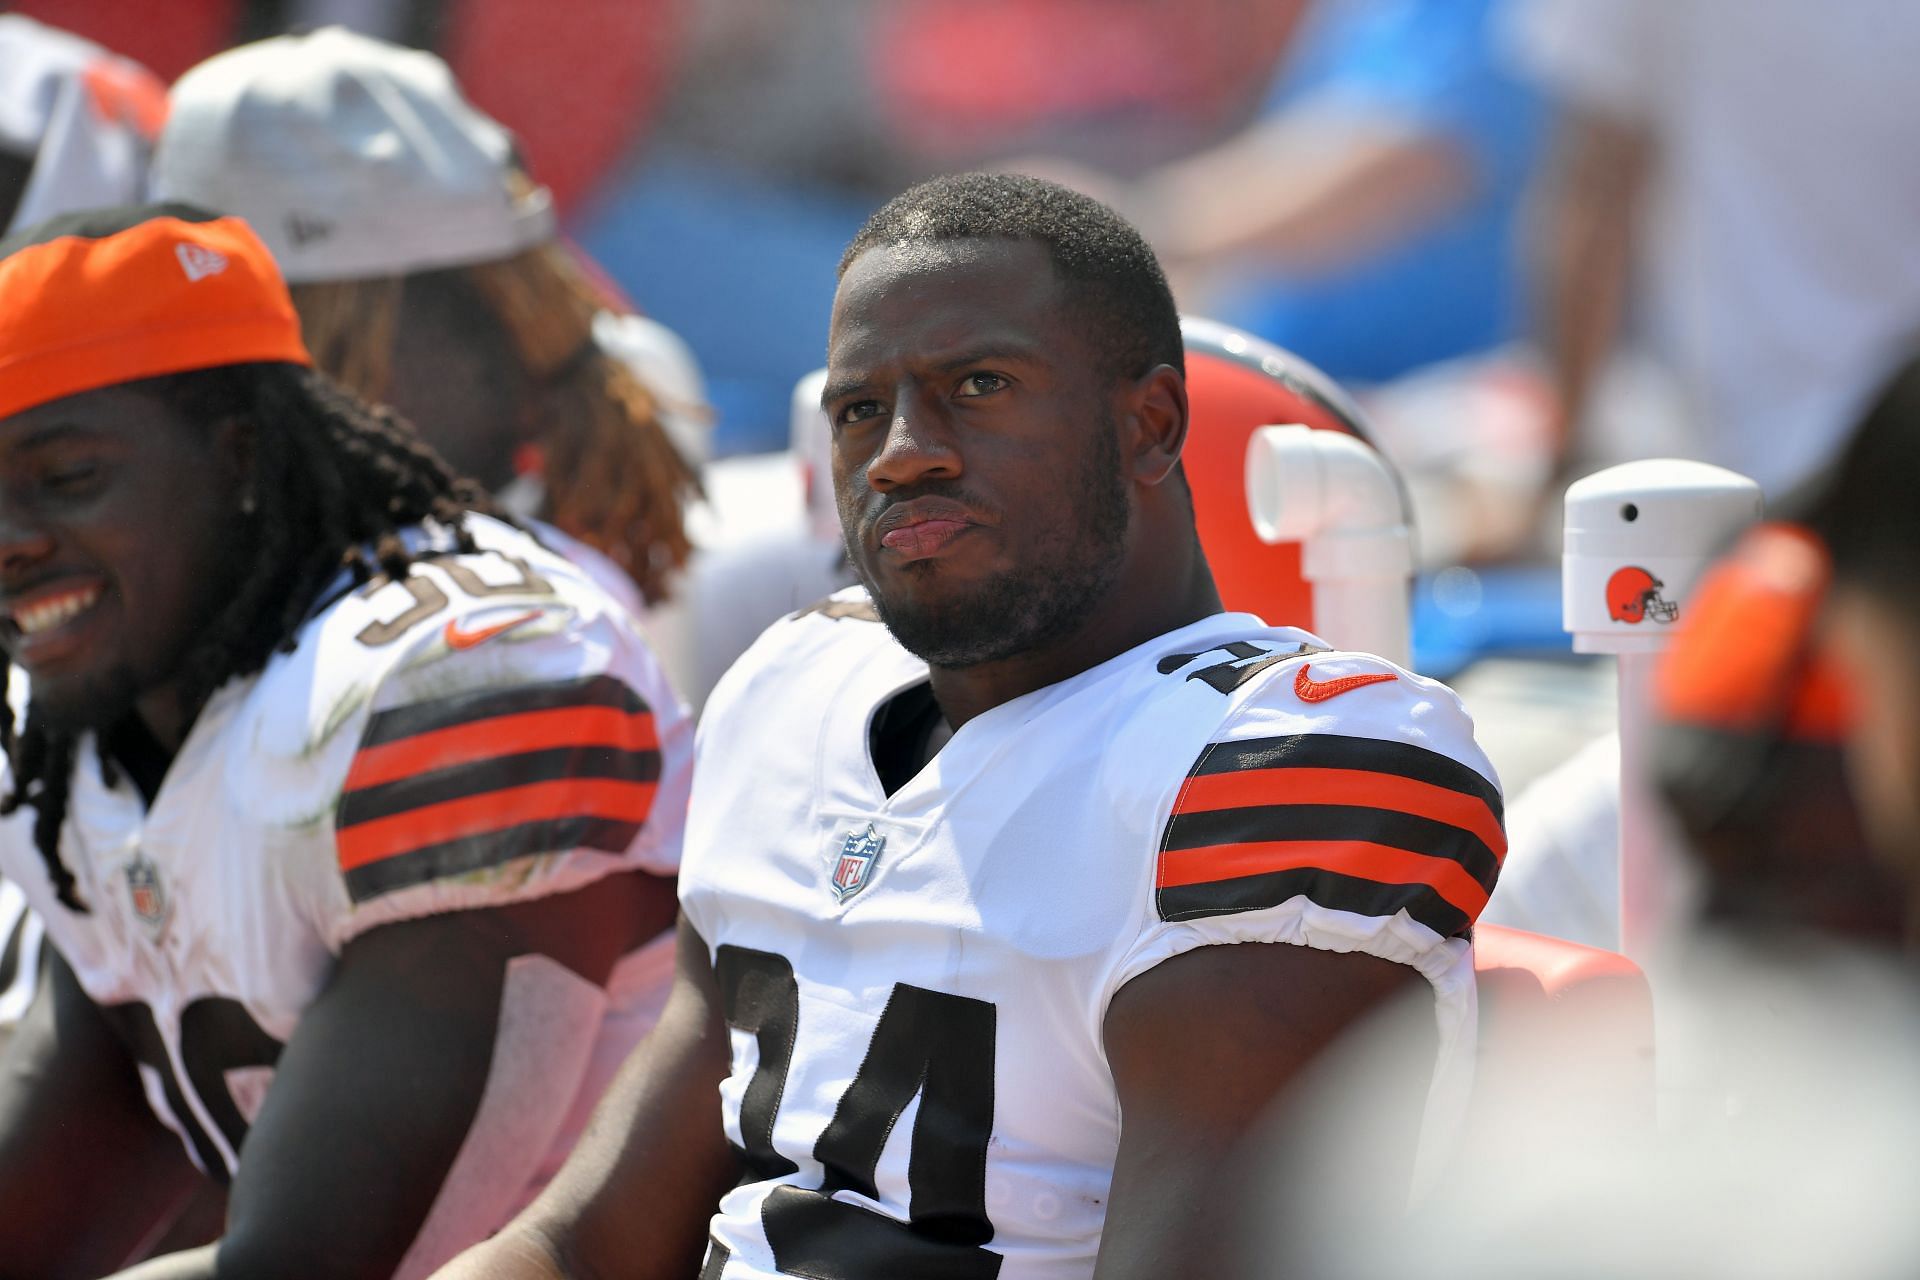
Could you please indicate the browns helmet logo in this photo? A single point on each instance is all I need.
(1633, 596)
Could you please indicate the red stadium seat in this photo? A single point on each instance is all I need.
(1236, 384)
(1563, 1023)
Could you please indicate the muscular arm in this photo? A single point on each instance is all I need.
(86, 1171)
(1304, 191)
(1199, 1046)
(634, 1200)
(375, 1094)
(1590, 198)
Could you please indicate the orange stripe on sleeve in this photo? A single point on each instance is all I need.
(503, 735)
(456, 819)
(1354, 787)
(1379, 862)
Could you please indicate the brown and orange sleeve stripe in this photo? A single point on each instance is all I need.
(1353, 824)
(471, 781)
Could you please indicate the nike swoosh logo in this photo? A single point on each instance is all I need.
(458, 639)
(1308, 689)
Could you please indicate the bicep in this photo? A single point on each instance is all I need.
(85, 1168)
(425, 1084)
(1201, 1046)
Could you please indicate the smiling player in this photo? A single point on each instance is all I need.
(338, 799)
(969, 846)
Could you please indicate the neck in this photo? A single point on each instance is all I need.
(1144, 604)
(166, 716)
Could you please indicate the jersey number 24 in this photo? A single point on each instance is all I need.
(928, 1043)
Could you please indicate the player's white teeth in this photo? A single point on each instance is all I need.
(43, 615)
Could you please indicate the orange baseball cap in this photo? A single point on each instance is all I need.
(93, 299)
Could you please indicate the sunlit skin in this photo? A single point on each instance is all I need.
(965, 401)
(119, 535)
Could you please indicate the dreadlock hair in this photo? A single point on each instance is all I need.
(334, 481)
(613, 477)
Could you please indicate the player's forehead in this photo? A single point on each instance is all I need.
(122, 412)
(928, 299)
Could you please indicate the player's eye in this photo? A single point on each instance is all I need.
(69, 477)
(858, 411)
(980, 384)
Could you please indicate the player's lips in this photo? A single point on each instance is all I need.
(45, 622)
(922, 527)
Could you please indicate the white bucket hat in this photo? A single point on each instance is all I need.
(351, 158)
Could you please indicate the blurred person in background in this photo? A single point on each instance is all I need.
(77, 122)
(423, 261)
(1367, 220)
(1732, 192)
(341, 801)
(1864, 510)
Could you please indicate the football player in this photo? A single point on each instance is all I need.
(1020, 879)
(341, 802)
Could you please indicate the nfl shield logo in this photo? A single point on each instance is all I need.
(854, 867)
(143, 882)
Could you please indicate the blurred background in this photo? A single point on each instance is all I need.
(1531, 236)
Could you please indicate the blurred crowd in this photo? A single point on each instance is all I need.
(1600, 226)
(1531, 238)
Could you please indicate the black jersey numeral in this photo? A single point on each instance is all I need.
(927, 1044)
(217, 1035)
(1244, 662)
(758, 995)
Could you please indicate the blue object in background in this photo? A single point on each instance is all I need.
(1461, 615)
(1453, 287)
(741, 268)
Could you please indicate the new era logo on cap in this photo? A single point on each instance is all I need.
(198, 261)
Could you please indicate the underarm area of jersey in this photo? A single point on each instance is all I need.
(549, 1020)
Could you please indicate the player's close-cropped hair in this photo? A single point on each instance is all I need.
(1108, 266)
(1863, 504)
(613, 477)
(332, 483)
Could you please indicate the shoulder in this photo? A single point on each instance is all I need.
(838, 633)
(492, 706)
(1340, 778)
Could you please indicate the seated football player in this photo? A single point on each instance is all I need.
(1020, 879)
(339, 799)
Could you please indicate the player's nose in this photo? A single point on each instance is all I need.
(24, 541)
(917, 447)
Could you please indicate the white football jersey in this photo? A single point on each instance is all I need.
(490, 730)
(917, 983)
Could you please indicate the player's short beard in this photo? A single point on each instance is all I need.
(1044, 599)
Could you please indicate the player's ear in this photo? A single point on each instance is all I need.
(1157, 417)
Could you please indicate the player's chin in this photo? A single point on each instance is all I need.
(70, 701)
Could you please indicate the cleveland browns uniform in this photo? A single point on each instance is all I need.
(916, 983)
(490, 730)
